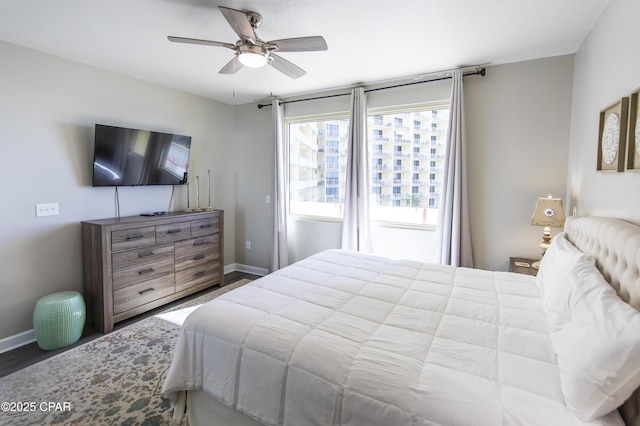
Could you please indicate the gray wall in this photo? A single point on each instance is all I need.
(253, 148)
(518, 138)
(48, 109)
(517, 141)
(607, 67)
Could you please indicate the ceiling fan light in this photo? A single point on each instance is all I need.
(252, 60)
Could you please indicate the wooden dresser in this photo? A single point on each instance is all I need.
(134, 264)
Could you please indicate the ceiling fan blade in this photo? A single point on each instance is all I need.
(232, 66)
(198, 41)
(240, 23)
(300, 44)
(286, 67)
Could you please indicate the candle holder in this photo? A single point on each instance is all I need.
(198, 209)
(209, 208)
(188, 209)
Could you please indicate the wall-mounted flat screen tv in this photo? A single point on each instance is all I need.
(132, 157)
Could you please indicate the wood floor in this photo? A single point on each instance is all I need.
(27, 355)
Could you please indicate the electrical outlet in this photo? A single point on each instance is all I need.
(248, 245)
(47, 209)
(267, 199)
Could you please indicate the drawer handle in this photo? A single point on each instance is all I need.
(208, 225)
(146, 271)
(199, 257)
(200, 242)
(145, 253)
(134, 237)
(199, 274)
(146, 290)
(174, 231)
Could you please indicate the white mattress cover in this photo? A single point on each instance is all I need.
(353, 339)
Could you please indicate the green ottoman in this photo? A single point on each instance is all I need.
(58, 319)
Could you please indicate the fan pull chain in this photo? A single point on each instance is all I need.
(234, 79)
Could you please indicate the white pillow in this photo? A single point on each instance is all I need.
(558, 259)
(595, 335)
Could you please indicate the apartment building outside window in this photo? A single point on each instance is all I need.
(407, 164)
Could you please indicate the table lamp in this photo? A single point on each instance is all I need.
(548, 212)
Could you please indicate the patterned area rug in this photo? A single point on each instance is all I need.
(115, 379)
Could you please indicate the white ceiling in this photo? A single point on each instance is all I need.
(369, 40)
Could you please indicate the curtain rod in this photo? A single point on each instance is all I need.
(481, 72)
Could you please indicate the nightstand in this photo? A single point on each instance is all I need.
(521, 265)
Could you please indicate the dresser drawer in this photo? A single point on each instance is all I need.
(205, 226)
(207, 242)
(141, 256)
(140, 273)
(173, 232)
(197, 275)
(189, 260)
(132, 238)
(136, 295)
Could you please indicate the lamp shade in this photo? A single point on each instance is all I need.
(548, 212)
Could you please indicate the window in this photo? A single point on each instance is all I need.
(410, 189)
(317, 163)
(333, 179)
(333, 195)
(403, 188)
(333, 146)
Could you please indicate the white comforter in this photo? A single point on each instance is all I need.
(352, 339)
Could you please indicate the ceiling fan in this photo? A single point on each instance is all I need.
(252, 52)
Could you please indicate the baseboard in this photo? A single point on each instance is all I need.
(29, 336)
(17, 340)
(250, 269)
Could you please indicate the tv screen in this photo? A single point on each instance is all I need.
(131, 157)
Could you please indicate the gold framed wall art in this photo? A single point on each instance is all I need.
(633, 142)
(612, 136)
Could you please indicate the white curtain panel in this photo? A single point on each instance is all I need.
(356, 231)
(279, 251)
(454, 236)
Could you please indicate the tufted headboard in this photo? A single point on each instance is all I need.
(615, 245)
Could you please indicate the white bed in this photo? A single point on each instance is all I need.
(351, 339)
